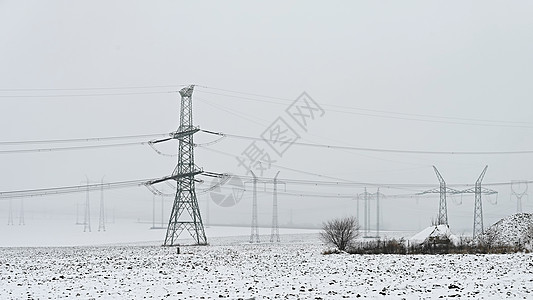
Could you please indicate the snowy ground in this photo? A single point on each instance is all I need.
(232, 268)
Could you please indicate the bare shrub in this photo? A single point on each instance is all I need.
(387, 246)
(529, 237)
(489, 239)
(340, 232)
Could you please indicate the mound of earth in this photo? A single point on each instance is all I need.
(512, 230)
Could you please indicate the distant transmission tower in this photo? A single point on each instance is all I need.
(185, 214)
(153, 211)
(207, 222)
(10, 214)
(163, 211)
(442, 217)
(478, 208)
(378, 196)
(254, 235)
(101, 219)
(78, 213)
(274, 234)
(443, 206)
(517, 192)
(21, 215)
(366, 198)
(87, 216)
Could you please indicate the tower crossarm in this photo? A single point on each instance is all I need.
(180, 134)
(174, 177)
(438, 191)
(177, 135)
(483, 190)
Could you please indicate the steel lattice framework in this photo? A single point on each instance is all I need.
(185, 214)
(478, 208)
(274, 234)
(518, 194)
(443, 206)
(254, 234)
(442, 217)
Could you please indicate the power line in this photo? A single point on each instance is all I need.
(72, 148)
(142, 182)
(340, 182)
(255, 121)
(86, 95)
(391, 115)
(315, 145)
(71, 189)
(90, 139)
(90, 88)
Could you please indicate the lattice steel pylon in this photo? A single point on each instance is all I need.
(185, 214)
(254, 235)
(87, 215)
(378, 197)
(443, 206)
(442, 190)
(10, 214)
(101, 219)
(21, 215)
(478, 209)
(366, 198)
(274, 234)
(518, 194)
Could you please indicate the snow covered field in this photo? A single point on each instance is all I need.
(232, 268)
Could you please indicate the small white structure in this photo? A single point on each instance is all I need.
(438, 231)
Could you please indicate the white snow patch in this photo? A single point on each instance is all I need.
(512, 230)
(433, 232)
(230, 269)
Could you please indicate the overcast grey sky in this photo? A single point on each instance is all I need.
(408, 75)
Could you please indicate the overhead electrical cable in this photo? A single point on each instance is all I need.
(337, 182)
(87, 95)
(89, 139)
(399, 151)
(243, 116)
(389, 114)
(91, 88)
(72, 148)
(71, 189)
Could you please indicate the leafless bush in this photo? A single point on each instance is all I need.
(529, 237)
(489, 239)
(387, 246)
(340, 232)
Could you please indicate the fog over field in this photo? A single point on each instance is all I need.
(402, 114)
(392, 89)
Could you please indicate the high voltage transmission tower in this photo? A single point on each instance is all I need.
(10, 215)
(87, 215)
(185, 214)
(518, 193)
(367, 197)
(478, 208)
(101, 219)
(378, 196)
(254, 235)
(442, 217)
(477, 190)
(21, 215)
(274, 234)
